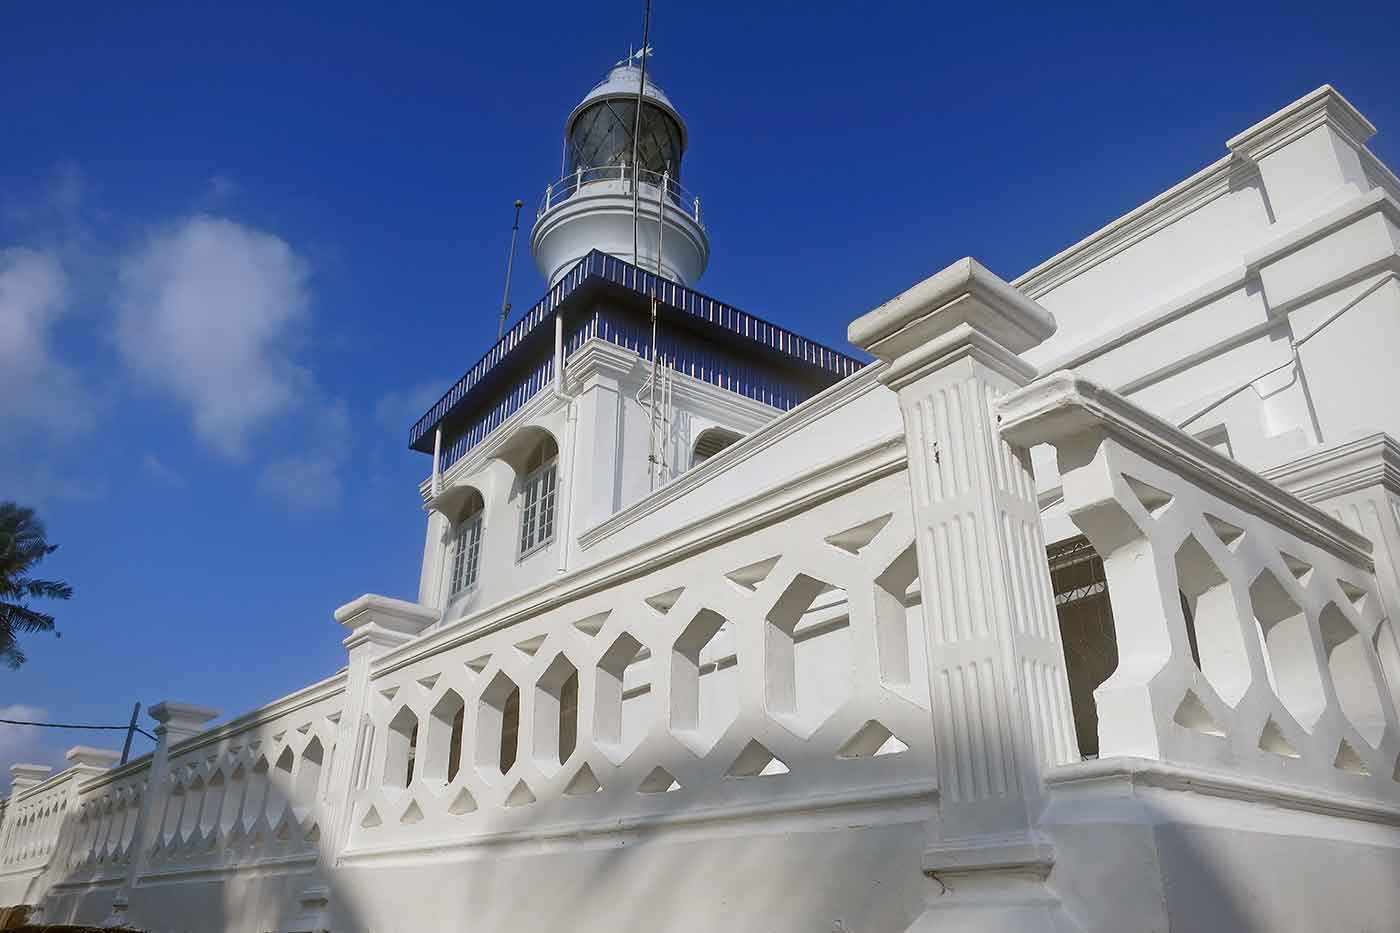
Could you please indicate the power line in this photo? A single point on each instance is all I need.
(65, 725)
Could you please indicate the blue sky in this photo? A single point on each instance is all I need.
(242, 248)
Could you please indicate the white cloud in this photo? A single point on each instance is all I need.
(27, 744)
(157, 470)
(39, 390)
(206, 313)
(310, 480)
(398, 410)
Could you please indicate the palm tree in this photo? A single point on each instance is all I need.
(22, 545)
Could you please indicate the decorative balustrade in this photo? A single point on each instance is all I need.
(775, 659)
(1249, 629)
(773, 669)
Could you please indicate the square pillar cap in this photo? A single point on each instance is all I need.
(88, 757)
(182, 719)
(25, 776)
(383, 622)
(965, 295)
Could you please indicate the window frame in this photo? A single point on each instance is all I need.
(464, 566)
(535, 501)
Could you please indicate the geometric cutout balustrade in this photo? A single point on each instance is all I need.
(662, 602)
(498, 725)
(704, 681)
(556, 714)
(520, 796)
(1228, 534)
(401, 741)
(622, 698)
(1192, 714)
(464, 802)
(807, 644)
(1272, 740)
(749, 577)
(583, 783)
(594, 623)
(1213, 622)
(1353, 678)
(755, 761)
(1290, 659)
(442, 748)
(854, 540)
(1152, 498)
(872, 741)
(659, 781)
(1348, 760)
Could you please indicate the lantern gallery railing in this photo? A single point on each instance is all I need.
(621, 175)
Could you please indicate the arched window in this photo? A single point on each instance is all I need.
(710, 442)
(537, 496)
(466, 544)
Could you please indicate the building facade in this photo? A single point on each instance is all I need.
(1070, 611)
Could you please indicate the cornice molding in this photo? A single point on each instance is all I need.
(1323, 107)
(1353, 466)
(1167, 208)
(1064, 404)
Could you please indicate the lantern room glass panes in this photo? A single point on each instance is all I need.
(602, 136)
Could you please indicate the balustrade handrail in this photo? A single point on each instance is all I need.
(567, 186)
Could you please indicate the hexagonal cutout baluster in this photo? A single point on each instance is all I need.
(892, 605)
(255, 796)
(704, 681)
(233, 801)
(624, 703)
(556, 714)
(1353, 677)
(281, 786)
(807, 653)
(308, 780)
(1291, 660)
(401, 748)
(442, 746)
(498, 726)
(1212, 621)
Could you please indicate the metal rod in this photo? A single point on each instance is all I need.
(510, 264)
(130, 731)
(637, 130)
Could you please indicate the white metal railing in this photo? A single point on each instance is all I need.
(571, 184)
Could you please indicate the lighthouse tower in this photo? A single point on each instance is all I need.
(591, 206)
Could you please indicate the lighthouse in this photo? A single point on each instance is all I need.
(591, 205)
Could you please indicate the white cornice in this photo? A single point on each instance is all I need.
(797, 494)
(1320, 475)
(785, 424)
(1137, 225)
(1064, 404)
(1323, 107)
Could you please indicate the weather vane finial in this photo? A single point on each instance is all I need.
(635, 54)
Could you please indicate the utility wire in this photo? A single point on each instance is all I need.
(65, 725)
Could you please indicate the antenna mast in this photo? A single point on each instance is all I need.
(510, 263)
(637, 128)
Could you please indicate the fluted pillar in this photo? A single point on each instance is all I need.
(996, 667)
